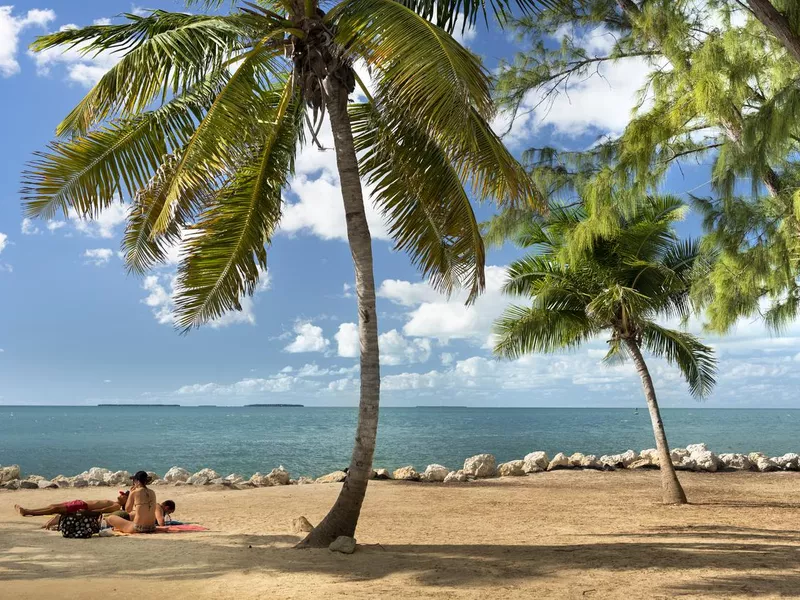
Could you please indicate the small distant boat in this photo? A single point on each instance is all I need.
(636, 411)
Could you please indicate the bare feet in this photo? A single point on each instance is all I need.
(20, 510)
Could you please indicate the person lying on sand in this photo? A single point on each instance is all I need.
(141, 506)
(74, 506)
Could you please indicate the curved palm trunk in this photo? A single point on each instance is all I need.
(671, 488)
(343, 517)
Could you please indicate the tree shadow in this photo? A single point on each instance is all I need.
(765, 558)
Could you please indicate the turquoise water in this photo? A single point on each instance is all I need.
(313, 441)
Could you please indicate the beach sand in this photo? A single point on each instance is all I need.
(566, 534)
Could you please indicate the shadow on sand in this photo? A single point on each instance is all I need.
(771, 557)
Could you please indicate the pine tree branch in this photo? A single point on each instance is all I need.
(777, 23)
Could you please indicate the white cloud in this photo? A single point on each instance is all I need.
(347, 340)
(161, 290)
(104, 225)
(601, 103)
(398, 350)
(447, 358)
(309, 338)
(467, 36)
(3, 241)
(435, 316)
(315, 204)
(56, 225)
(98, 256)
(10, 28)
(28, 227)
(246, 387)
(85, 69)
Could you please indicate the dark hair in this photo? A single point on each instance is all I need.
(141, 477)
(168, 504)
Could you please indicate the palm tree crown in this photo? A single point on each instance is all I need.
(617, 272)
(200, 121)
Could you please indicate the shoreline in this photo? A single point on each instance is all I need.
(695, 458)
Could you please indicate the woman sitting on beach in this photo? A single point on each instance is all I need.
(141, 506)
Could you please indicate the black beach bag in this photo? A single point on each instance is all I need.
(80, 525)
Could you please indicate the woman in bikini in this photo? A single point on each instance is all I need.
(141, 505)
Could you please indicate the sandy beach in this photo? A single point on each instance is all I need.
(562, 535)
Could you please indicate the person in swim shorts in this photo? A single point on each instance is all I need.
(74, 506)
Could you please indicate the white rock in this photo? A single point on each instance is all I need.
(34, 478)
(62, 482)
(301, 525)
(406, 474)
(456, 477)
(27, 484)
(536, 461)
(97, 483)
(304, 480)
(117, 478)
(9, 473)
(11, 485)
(642, 463)
(512, 468)
(234, 478)
(343, 544)
(80, 483)
(754, 457)
(619, 460)
(381, 474)
(279, 476)
(45, 484)
(560, 461)
(151, 476)
(435, 473)
(651, 454)
(160, 482)
(736, 461)
(705, 460)
(590, 461)
(787, 462)
(335, 477)
(765, 465)
(98, 473)
(177, 474)
(696, 448)
(203, 477)
(259, 480)
(575, 459)
(678, 454)
(481, 465)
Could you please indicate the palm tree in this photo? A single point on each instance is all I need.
(199, 124)
(616, 273)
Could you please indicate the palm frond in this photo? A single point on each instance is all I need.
(422, 198)
(224, 252)
(524, 330)
(162, 53)
(244, 105)
(87, 173)
(695, 360)
(447, 13)
(417, 66)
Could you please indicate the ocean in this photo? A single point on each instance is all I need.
(313, 441)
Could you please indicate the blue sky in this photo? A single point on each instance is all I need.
(75, 329)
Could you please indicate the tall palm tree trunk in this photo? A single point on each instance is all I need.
(670, 486)
(343, 517)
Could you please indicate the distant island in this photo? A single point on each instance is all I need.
(438, 406)
(274, 405)
(148, 405)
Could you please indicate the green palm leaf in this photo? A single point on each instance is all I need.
(523, 330)
(695, 360)
(162, 53)
(88, 173)
(421, 196)
(224, 253)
